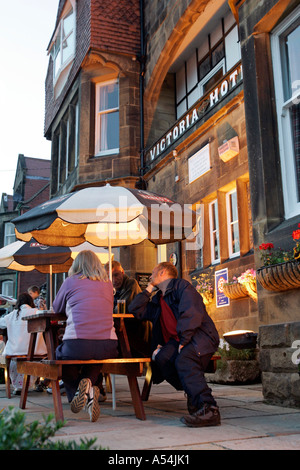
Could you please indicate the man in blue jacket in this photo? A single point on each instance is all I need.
(184, 338)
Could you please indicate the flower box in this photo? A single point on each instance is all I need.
(235, 291)
(280, 277)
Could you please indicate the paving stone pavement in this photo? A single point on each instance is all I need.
(247, 422)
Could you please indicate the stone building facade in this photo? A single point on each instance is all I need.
(270, 38)
(93, 101)
(179, 97)
(92, 95)
(194, 104)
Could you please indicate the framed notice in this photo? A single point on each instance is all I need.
(199, 163)
(221, 277)
(143, 279)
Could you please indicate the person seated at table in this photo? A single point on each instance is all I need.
(126, 288)
(18, 337)
(184, 338)
(38, 300)
(86, 297)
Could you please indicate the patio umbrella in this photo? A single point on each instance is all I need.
(5, 299)
(106, 216)
(27, 256)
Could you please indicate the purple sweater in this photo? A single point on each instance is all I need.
(89, 308)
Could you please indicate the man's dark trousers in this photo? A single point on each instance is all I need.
(185, 371)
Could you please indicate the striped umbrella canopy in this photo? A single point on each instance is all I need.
(107, 216)
(27, 256)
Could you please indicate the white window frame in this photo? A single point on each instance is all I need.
(9, 233)
(63, 65)
(98, 151)
(214, 231)
(76, 133)
(230, 223)
(286, 147)
(220, 65)
(7, 288)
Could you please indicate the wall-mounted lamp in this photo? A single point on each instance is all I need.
(175, 155)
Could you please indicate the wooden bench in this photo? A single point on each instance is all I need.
(131, 367)
(6, 365)
(52, 370)
(6, 360)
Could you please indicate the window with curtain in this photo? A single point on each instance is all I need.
(233, 224)
(214, 231)
(107, 118)
(285, 41)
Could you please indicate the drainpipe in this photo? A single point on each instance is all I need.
(142, 72)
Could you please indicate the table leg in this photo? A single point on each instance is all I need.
(59, 415)
(25, 387)
(147, 383)
(7, 378)
(136, 398)
(49, 340)
(26, 378)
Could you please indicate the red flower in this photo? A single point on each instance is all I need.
(266, 246)
(296, 234)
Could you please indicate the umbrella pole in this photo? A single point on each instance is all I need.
(109, 253)
(51, 287)
(113, 383)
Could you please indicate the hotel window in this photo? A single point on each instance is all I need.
(285, 41)
(9, 233)
(233, 224)
(107, 118)
(65, 145)
(214, 232)
(62, 48)
(217, 53)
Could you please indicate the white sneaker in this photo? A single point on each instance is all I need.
(61, 388)
(81, 395)
(92, 404)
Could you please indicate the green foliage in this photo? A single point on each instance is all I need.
(228, 353)
(16, 434)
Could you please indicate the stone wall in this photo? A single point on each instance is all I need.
(280, 377)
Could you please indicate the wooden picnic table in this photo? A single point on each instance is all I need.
(46, 323)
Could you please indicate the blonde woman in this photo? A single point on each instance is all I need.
(86, 297)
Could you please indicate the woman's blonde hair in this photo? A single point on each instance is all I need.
(88, 265)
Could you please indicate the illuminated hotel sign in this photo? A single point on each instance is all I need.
(228, 83)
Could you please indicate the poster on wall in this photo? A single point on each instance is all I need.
(221, 277)
(199, 163)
